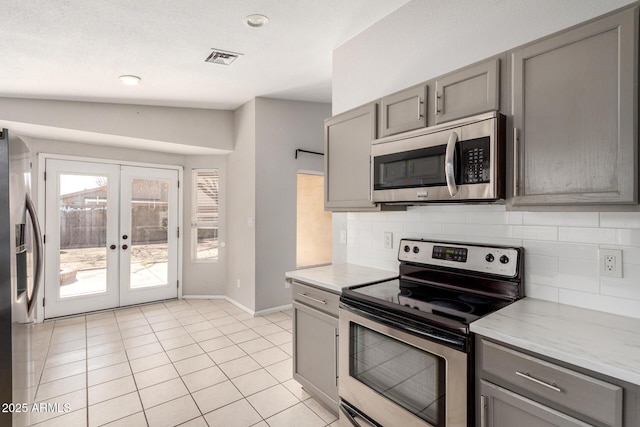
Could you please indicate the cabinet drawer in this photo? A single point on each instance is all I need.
(585, 395)
(314, 297)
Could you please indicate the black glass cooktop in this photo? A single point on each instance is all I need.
(426, 301)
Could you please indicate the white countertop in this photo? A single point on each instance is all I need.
(593, 340)
(337, 276)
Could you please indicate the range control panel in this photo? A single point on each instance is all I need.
(502, 261)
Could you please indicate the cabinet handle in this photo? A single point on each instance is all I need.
(337, 336)
(321, 301)
(437, 104)
(516, 163)
(537, 381)
(483, 411)
(420, 108)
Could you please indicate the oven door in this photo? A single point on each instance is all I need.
(395, 378)
(456, 163)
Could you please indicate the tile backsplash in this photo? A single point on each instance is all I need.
(561, 248)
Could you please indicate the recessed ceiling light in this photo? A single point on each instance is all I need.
(256, 21)
(130, 80)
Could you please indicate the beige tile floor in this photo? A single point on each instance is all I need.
(190, 363)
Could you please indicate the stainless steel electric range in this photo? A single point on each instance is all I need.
(406, 356)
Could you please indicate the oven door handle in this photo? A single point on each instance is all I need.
(449, 166)
(352, 414)
(458, 344)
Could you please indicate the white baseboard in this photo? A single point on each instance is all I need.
(273, 310)
(232, 301)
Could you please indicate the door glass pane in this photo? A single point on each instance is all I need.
(149, 232)
(409, 376)
(83, 234)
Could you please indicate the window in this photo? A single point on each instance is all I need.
(204, 215)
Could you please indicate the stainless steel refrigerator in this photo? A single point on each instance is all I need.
(22, 349)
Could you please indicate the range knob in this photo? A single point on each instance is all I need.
(504, 259)
(489, 257)
(407, 248)
(416, 249)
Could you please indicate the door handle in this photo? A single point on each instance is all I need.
(449, 167)
(125, 247)
(112, 247)
(38, 253)
(483, 411)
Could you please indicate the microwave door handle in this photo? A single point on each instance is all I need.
(449, 167)
(38, 252)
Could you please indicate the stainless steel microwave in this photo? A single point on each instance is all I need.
(463, 160)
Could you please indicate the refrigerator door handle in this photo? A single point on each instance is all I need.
(38, 252)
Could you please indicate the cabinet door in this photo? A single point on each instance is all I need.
(469, 91)
(315, 353)
(575, 114)
(403, 111)
(500, 407)
(347, 147)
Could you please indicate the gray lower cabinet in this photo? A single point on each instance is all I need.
(315, 343)
(403, 111)
(471, 90)
(347, 154)
(515, 388)
(575, 108)
(504, 408)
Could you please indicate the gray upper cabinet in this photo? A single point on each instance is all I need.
(403, 111)
(575, 114)
(347, 148)
(471, 90)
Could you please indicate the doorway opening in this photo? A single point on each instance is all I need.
(313, 235)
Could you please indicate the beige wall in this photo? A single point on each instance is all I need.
(313, 236)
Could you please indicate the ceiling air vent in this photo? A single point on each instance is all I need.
(222, 57)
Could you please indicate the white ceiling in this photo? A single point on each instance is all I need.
(76, 49)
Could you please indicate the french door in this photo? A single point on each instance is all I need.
(111, 236)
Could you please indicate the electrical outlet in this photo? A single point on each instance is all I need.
(238, 283)
(287, 284)
(343, 237)
(611, 263)
(388, 240)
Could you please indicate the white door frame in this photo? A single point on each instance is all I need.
(42, 158)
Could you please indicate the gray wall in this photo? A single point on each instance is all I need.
(167, 129)
(281, 128)
(241, 206)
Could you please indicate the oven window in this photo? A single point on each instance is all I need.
(411, 377)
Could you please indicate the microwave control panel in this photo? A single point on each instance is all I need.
(476, 155)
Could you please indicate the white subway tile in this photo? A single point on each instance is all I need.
(578, 267)
(547, 293)
(382, 226)
(445, 217)
(620, 306)
(560, 249)
(563, 280)
(570, 219)
(620, 219)
(479, 230)
(514, 218)
(540, 262)
(629, 237)
(620, 288)
(360, 225)
(588, 235)
(534, 232)
(487, 218)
